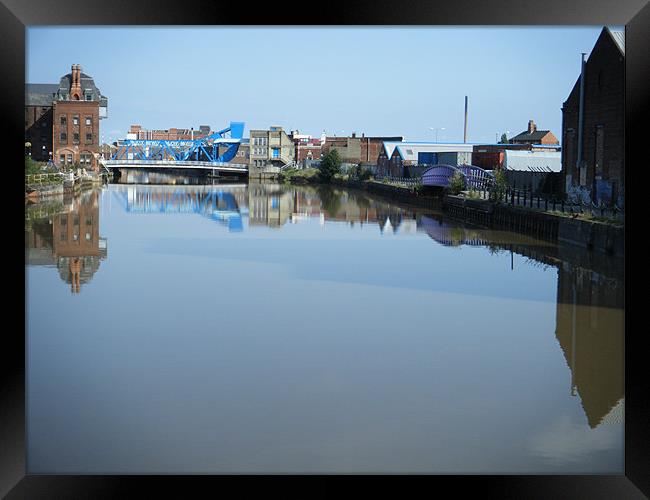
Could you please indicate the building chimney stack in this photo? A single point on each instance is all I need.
(531, 126)
(75, 87)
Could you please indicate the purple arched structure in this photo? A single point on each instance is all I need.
(440, 176)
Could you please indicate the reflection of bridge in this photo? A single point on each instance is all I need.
(211, 153)
(441, 175)
(216, 202)
(450, 233)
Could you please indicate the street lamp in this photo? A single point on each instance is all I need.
(436, 129)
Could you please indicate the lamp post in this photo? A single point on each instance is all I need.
(436, 129)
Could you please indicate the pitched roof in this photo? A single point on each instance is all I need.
(40, 94)
(87, 85)
(418, 147)
(535, 161)
(619, 38)
(537, 135)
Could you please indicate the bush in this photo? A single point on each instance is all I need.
(360, 173)
(457, 183)
(31, 166)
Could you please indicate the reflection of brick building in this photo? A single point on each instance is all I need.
(269, 205)
(590, 322)
(70, 240)
(63, 120)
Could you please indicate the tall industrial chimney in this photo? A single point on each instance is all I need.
(465, 133)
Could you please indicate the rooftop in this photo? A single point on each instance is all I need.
(619, 39)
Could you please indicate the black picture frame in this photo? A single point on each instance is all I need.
(15, 15)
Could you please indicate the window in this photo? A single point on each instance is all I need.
(89, 138)
(89, 97)
(69, 158)
(62, 159)
(75, 138)
(64, 220)
(75, 120)
(63, 138)
(276, 152)
(89, 220)
(87, 236)
(64, 236)
(64, 121)
(89, 121)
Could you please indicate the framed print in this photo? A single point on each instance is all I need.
(362, 240)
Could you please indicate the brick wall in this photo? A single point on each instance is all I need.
(603, 107)
(69, 146)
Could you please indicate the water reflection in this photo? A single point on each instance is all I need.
(64, 232)
(220, 203)
(332, 325)
(589, 317)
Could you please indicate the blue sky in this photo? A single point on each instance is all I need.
(381, 81)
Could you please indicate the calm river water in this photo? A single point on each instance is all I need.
(269, 329)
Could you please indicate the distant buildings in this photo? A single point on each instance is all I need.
(355, 150)
(272, 147)
(62, 121)
(408, 159)
(308, 150)
(534, 136)
(593, 155)
(172, 134)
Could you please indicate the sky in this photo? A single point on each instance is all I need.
(384, 81)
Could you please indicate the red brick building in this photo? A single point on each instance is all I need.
(602, 168)
(172, 134)
(364, 150)
(62, 121)
(534, 136)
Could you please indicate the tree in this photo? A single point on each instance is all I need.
(504, 139)
(330, 165)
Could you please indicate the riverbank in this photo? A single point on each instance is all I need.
(602, 236)
(35, 191)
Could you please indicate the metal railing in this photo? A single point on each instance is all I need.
(556, 203)
(400, 181)
(49, 178)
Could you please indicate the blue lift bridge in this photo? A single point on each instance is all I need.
(212, 152)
